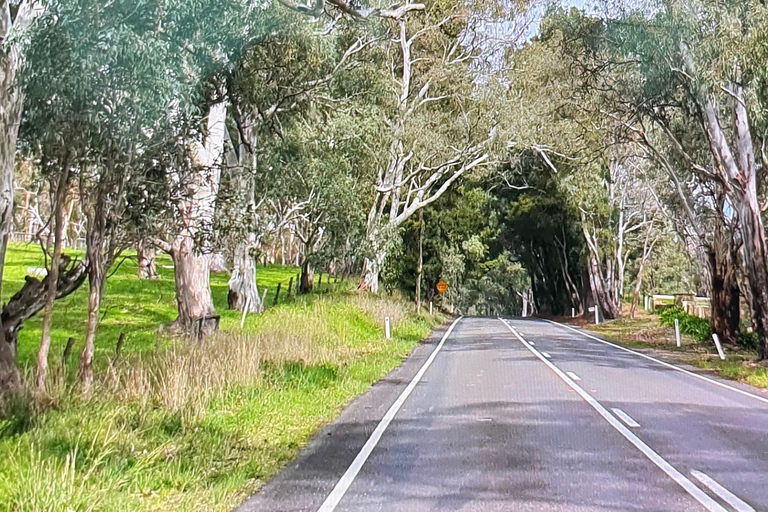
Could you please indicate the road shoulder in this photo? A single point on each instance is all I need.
(679, 358)
(305, 482)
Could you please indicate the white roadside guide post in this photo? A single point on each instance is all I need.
(719, 346)
(245, 311)
(573, 312)
(430, 307)
(597, 313)
(677, 332)
(387, 332)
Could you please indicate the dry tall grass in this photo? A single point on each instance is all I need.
(380, 307)
(185, 378)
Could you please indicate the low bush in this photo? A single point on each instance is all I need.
(699, 328)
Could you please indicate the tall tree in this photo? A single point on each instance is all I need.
(439, 122)
(14, 19)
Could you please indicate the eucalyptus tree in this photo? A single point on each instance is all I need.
(682, 85)
(287, 93)
(103, 83)
(14, 19)
(440, 120)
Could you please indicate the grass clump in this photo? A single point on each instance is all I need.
(699, 328)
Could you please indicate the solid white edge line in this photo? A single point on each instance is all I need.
(626, 418)
(726, 495)
(668, 365)
(333, 499)
(646, 450)
(546, 355)
(573, 376)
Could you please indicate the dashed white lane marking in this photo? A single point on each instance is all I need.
(625, 418)
(532, 343)
(546, 355)
(573, 376)
(646, 450)
(726, 495)
(333, 499)
(692, 374)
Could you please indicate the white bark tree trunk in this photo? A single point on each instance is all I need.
(11, 101)
(146, 257)
(191, 265)
(242, 284)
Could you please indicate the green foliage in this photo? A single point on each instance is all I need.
(699, 328)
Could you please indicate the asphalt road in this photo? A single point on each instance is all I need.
(527, 415)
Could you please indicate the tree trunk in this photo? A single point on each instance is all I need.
(242, 284)
(146, 256)
(96, 277)
(370, 279)
(193, 290)
(638, 286)
(602, 297)
(600, 292)
(217, 264)
(96, 218)
(756, 265)
(11, 101)
(420, 261)
(45, 328)
(724, 306)
(306, 283)
(31, 299)
(192, 268)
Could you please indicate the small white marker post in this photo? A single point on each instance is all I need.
(387, 332)
(573, 312)
(677, 332)
(719, 346)
(430, 307)
(245, 311)
(597, 314)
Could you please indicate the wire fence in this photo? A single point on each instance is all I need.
(26, 238)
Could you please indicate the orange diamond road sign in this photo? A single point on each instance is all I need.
(441, 286)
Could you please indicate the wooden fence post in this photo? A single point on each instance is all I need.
(277, 294)
(290, 287)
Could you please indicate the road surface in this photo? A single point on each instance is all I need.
(527, 415)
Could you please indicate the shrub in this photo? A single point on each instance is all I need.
(699, 328)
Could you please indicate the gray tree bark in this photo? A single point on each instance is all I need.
(146, 256)
(242, 284)
(11, 101)
(60, 195)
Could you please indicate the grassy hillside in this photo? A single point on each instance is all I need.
(183, 426)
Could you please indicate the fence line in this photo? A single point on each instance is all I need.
(26, 238)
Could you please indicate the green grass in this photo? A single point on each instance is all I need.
(740, 368)
(131, 305)
(647, 332)
(188, 427)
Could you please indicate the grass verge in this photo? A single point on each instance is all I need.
(645, 332)
(184, 426)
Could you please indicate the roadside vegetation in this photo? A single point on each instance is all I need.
(656, 333)
(171, 425)
(174, 161)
